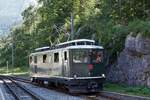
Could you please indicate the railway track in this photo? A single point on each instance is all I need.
(104, 95)
(20, 79)
(85, 96)
(18, 91)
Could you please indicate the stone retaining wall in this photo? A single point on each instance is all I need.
(133, 65)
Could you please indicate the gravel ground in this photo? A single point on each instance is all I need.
(48, 94)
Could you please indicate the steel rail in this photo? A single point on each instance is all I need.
(20, 79)
(29, 92)
(11, 90)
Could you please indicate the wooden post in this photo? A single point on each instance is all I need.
(7, 66)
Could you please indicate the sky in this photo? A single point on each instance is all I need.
(10, 12)
(13, 7)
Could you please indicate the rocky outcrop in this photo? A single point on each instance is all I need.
(133, 65)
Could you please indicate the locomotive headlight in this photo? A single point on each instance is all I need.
(31, 79)
(75, 76)
(46, 82)
(103, 75)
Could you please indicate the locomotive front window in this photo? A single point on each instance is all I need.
(96, 56)
(87, 56)
(81, 56)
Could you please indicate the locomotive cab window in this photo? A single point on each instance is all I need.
(56, 57)
(44, 58)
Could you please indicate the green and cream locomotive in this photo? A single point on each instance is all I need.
(77, 65)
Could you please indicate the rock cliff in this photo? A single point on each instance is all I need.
(133, 64)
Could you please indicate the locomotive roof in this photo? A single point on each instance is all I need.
(74, 41)
(72, 47)
(66, 45)
(85, 47)
(47, 47)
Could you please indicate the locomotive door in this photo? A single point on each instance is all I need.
(65, 69)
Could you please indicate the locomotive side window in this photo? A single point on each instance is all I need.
(56, 57)
(35, 59)
(44, 58)
(65, 55)
(30, 60)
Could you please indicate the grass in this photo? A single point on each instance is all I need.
(131, 90)
(15, 71)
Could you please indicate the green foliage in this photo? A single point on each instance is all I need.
(127, 10)
(108, 21)
(15, 70)
(139, 26)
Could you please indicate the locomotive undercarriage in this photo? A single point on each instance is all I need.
(85, 85)
(73, 85)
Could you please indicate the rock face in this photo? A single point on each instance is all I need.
(133, 65)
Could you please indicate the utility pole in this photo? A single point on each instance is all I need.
(72, 26)
(120, 9)
(12, 56)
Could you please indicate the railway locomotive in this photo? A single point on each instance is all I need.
(77, 65)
